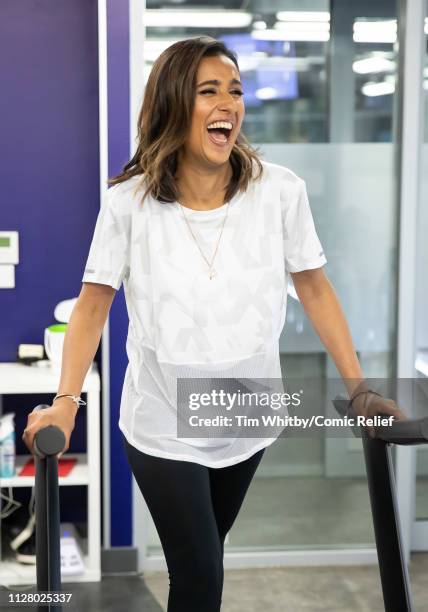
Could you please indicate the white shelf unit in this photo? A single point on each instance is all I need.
(16, 378)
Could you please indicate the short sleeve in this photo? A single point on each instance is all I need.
(302, 247)
(108, 259)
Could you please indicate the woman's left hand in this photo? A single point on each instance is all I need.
(370, 405)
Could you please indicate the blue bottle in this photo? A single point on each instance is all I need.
(7, 445)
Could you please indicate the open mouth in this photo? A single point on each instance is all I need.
(219, 136)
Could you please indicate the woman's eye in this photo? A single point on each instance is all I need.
(235, 91)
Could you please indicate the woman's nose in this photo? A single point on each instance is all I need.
(227, 100)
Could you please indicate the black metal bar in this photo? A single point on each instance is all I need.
(408, 431)
(392, 564)
(394, 574)
(42, 554)
(48, 442)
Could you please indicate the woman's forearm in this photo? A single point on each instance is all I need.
(325, 312)
(80, 345)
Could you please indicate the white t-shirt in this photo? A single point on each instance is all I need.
(182, 324)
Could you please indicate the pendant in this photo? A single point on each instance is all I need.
(212, 273)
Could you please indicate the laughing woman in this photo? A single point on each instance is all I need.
(204, 236)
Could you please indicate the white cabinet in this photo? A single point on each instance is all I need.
(16, 378)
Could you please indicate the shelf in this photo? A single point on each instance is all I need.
(14, 573)
(18, 378)
(79, 475)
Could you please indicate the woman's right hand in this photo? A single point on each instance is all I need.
(62, 414)
(369, 405)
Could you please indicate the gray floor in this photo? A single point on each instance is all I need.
(344, 589)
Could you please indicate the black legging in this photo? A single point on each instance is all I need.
(193, 507)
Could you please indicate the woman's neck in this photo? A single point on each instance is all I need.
(203, 189)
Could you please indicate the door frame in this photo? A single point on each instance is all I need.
(410, 129)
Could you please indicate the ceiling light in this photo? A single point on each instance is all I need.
(373, 64)
(160, 18)
(377, 89)
(375, 31)
(296, 26)
(266, 93)
(303, 15)
(259, 25)
(272, 34)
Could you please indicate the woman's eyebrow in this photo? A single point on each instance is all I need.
(217, 82)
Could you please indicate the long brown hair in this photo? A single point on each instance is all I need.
(165, 117)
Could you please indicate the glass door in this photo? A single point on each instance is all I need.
(321, 99)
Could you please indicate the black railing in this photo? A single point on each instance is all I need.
(48, 442)
(394, 575)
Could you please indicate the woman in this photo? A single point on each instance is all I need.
(204, 235)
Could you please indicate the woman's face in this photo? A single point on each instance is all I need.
(218, 100)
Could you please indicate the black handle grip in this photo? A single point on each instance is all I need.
(409, 431)
(48, 441)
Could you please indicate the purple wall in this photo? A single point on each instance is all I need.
(49, 173)
(49, 168)
(118, 133)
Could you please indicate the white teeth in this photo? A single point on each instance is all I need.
(220, 124)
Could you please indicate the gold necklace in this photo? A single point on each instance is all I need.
(211, 271)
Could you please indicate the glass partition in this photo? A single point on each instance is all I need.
(320, 99)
